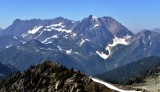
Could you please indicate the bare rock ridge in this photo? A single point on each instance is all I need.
(50, 77)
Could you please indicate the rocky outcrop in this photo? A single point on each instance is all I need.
(50, 77)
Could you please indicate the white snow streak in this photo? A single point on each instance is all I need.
(102, 55)
(76, 52)
(55, 25)
(8, 46)
(74, 35)
(81, 43)
(34, 30)
(59, 27)
(87, 40)
(111, 86)
(68, 51)
(15, 37)
(55, 36)
(59, 47)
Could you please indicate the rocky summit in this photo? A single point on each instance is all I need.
(50, 77)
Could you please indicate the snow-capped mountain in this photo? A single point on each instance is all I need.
(92, 45)
(69, 34)
(87, 43)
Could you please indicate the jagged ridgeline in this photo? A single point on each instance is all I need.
(50, 77)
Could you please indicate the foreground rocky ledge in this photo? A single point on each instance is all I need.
(51, 77)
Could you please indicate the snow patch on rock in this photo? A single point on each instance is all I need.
(68, 51)
(58, 27)
(76, 53)
(102, 55)
(82, 41)
(15, 37)
(95, 21)
(8, 46)
(115, 42)
(59, 48)
(55, 36)
(73, 35)
(35, 30)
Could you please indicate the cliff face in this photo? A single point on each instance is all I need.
(50, 77)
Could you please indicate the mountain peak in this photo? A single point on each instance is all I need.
(92, 17)
(59, 18)
(116, 28)
(17, 21)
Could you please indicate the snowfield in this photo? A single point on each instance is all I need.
(58, 27)
(102, 55)
(111, 86)
(34, 30)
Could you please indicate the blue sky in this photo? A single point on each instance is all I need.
(134, 14)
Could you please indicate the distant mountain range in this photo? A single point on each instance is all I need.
(92, 45)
